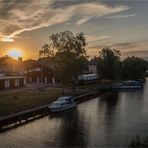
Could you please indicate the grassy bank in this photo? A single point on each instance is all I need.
(16, 101)
(13, 102)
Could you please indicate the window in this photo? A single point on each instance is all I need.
(7, 83)
(16, 82)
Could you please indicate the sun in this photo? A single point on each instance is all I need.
(15, 53)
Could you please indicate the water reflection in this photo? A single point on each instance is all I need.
(71, 132)
(109, 99)
(109, 103)
(108, 120)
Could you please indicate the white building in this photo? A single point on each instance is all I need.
(11, 81)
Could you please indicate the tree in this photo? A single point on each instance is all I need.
(133, 68)
(69, 56)
(46, 51)
(108, 65)
(46, 57)
(66, 42)
(9, 64)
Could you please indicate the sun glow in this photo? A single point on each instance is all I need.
(15, 53)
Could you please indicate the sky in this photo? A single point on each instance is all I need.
(120, 24)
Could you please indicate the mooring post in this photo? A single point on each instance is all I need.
(20, 119)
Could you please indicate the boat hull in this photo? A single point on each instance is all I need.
(128, 87)
(63, 108)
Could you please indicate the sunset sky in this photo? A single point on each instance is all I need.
(26, 24)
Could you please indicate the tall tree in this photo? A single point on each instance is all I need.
(134, 68)
(108, 64)
(69, 55)
(46, 51)
(66, 42)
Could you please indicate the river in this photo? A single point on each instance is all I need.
(111, 119)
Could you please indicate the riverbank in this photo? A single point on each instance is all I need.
(15, 101)
(23, 117)
(18, 101)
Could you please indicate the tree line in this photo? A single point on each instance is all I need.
(111, 67)
(67, 55)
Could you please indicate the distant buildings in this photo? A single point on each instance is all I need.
(92, 69)
(12, 81)
(11, 73)
(16, 73)
(39, 74)
(92, 66)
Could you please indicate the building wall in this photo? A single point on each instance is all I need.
(7, 83)
(2, 84)
(17, 82)
(92, 69)
(36, 77)
(12, 83)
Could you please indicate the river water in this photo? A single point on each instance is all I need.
(111, 119)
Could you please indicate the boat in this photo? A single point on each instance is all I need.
(130, 84)
(63, 103)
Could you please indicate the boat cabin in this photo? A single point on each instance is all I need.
(69, 99)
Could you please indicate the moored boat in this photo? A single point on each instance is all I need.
(63, 103)
(130, 84)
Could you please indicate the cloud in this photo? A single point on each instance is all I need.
(82, 21)
(18, 16)
(124, 46)
(131, 46)
(137, 48)
(93, 38)
(120, 16)
(97, 10)
(6, 39)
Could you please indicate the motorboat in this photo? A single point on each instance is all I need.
(130, 84)
(63, 103)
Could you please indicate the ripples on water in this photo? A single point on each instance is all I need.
(108, 120)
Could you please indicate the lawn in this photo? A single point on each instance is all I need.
(18, 101)
(12, 102)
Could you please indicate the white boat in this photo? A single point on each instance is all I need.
(63, 103)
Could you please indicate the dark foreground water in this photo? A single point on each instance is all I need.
(108, 120)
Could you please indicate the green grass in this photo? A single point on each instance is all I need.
(90, 87)
(18, 101)
(12, 102)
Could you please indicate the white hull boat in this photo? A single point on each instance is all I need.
(63, 103)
